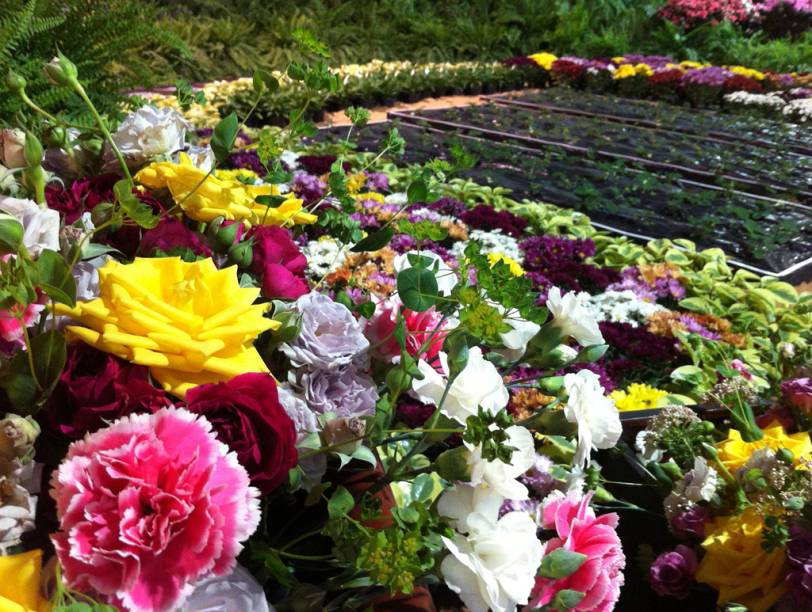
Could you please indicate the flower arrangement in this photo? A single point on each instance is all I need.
(251, 371)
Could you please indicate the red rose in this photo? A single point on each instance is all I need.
(247, 416)
(96, 388)
(171, 235)
(278, 261)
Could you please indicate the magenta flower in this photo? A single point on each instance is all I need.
(578, 530)
(798, 393)
(672, 573)
(148, 506)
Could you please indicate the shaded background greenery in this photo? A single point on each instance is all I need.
(121, 44)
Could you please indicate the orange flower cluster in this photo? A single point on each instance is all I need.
(372, 271)
(525, 402)
(666, 322)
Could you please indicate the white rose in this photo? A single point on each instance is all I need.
(462, 502)
(446, 277)
(479, 384)
(494, 567)
(501, 476)
(595, 414)
(573, 317)
(149, 132)
(237, 592)
(40, 225)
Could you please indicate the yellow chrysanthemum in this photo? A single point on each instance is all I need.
(734, 452)
(237, 174)
(205, 198)
(515, 268)
(618, 60)
(638, 396)
(20, 587)
(370, 195)
(190, 323)
(750, 73)
(356, 182)
(738, 567)
(688, 64)
(624, 72)
(545, 60)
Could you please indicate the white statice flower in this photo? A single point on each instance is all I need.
(492, 242)
(698, 485)
(290, 159)
(148, 133)
(771, 100)
(239, 591)
(479, 384)
(595, 414)
(498, 475)
(799, 109)
(40, 224)
(446, 277)
(324, 256)
(620, 307)
(572, 317)
(494, 567)
(399, 198)
(462, 501)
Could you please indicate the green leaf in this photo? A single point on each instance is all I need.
(362, 453)
(783, 291)
(54, 277)
(223, 137)
(417, 191)
(49, 355)
(263, 80)
(11, 235)
(134, 208)
(695, 304)
(365, 309)
(688, 373)
(273, 564)
(566, 599)
(373, 242)
(417, 288)
(341, 502)
(422, 487)
(561, 563)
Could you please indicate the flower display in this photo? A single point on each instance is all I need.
(188, 322)
(175, 507)
(205, 197)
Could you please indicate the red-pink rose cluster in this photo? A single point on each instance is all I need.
(148, 506)
(578, 530)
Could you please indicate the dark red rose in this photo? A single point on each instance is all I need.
(170, 236)
(247, 416)
(96, 387)
(278, 261)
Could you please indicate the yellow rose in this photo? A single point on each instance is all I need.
(735, 452)
(20, 583)
(205, 198)
(738, 567)
(545, 60)
(190, 323)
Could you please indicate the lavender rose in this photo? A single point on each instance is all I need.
(346, 392)
(672, 573)
(330, 337)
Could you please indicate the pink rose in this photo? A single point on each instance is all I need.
(147, 507)
(172, 236)
(419, 331)
(578, 530)
(278, 262)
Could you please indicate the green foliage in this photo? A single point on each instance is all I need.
(114, 46)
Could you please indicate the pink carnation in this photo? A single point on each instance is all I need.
(600, 576)
(148, 506)
(419, 329)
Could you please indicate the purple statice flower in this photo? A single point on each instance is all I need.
(377, 181)
(785, 80)
(247, 159)
(800, 92)
(799, 560)
(672, 573)
(345, 391)
(530, 506)
(383, 279)
(539, 478)
(632, 280)
(309, 187)
(488, 218)
(423, 214)
(402, 243)
(694, 327)
(690, 523)
(448, 206)
(712, 76)
(366, 221)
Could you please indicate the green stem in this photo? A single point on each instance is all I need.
(77, 87)
(27, 341)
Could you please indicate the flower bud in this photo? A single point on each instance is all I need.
(61, 71)
(17, 437)
(344, 434)
(398, 380)
(11, 234)
(241, 254)
(551, 384)
(453, 464)
(223, 234)
(561, 356)
(15, 82)
(785, 456)
(32, 150)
